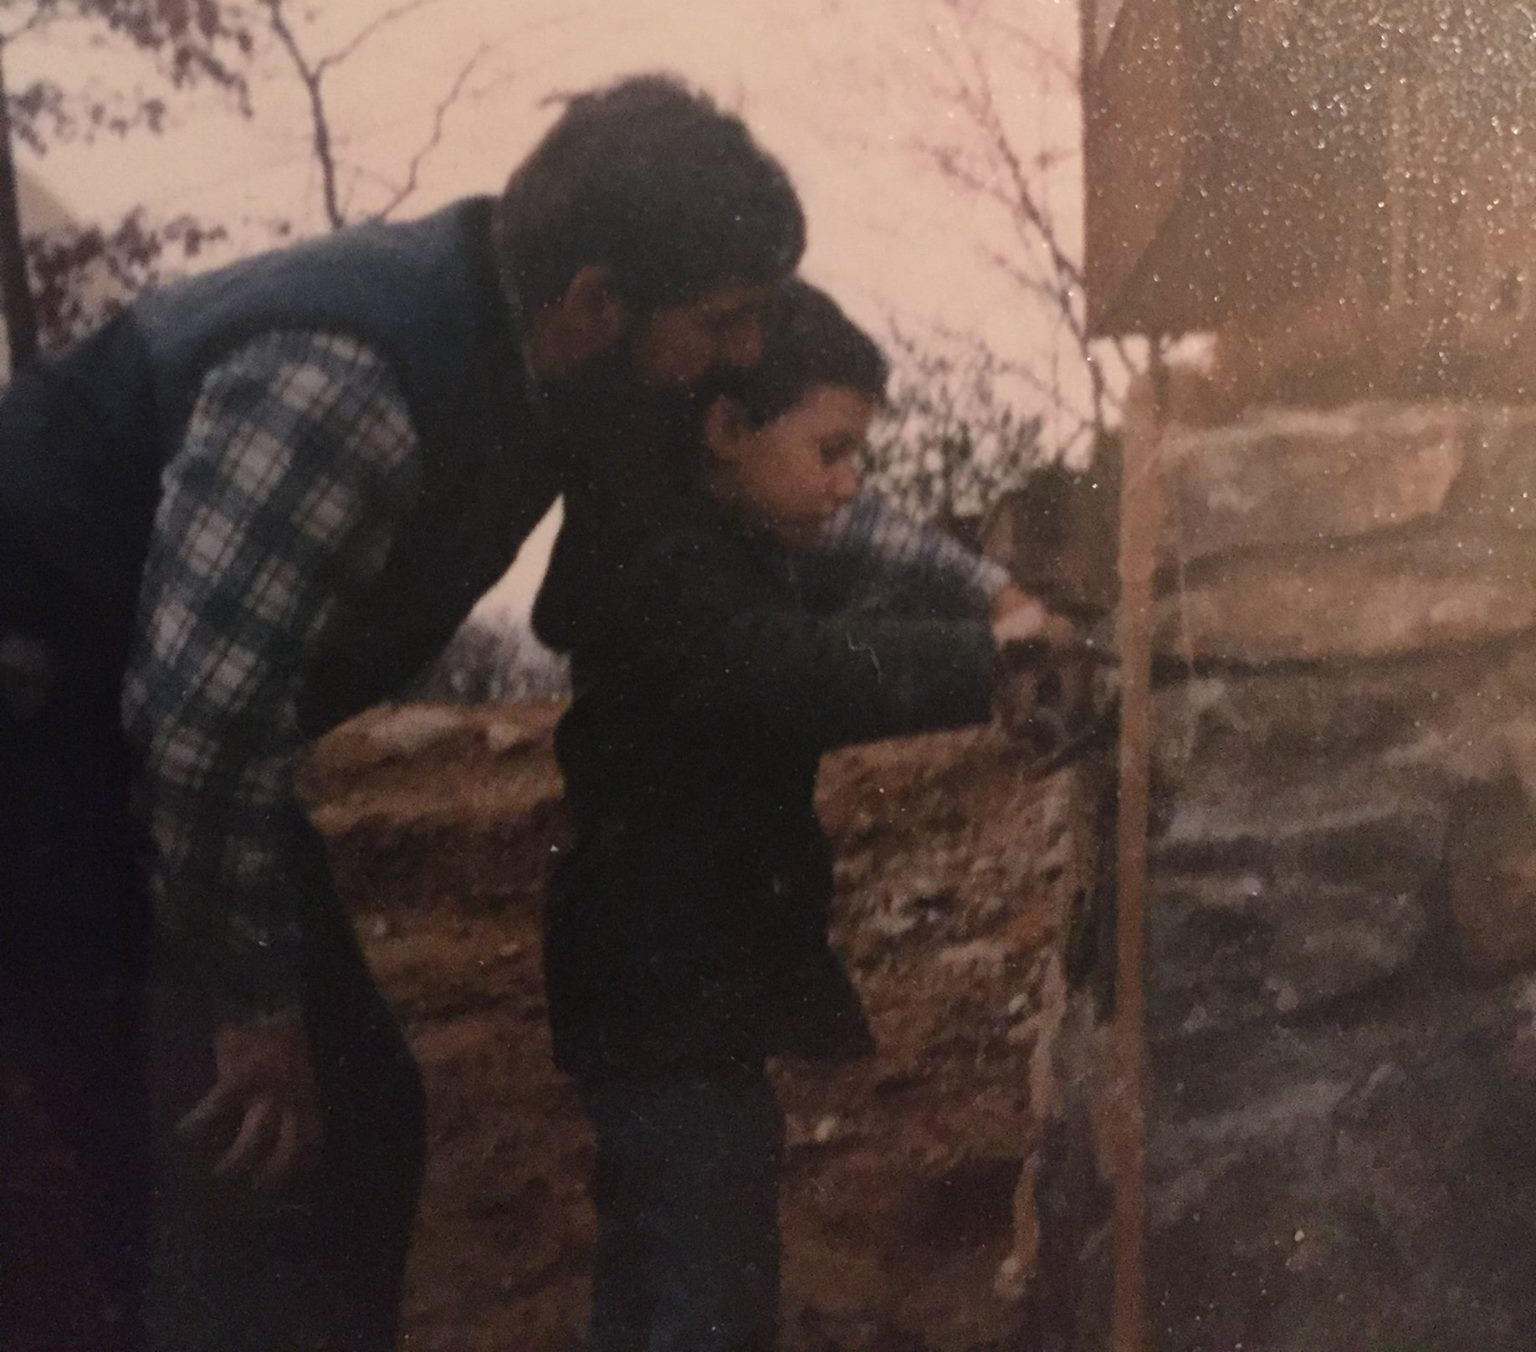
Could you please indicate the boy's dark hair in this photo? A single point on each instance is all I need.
(807, 341)
(652, 180)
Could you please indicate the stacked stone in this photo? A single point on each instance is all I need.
(1356, 595)
(1343, 894)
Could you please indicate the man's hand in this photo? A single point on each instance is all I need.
(26, 667)
(265, 1095)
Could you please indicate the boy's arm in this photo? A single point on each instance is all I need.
(735, 660)
(298, 461)
(870, 548)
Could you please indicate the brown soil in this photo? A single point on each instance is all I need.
(901, 1170)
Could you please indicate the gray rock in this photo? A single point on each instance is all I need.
(1498, 487)
(1364, 1183)
(1294, 476)
(1226, 951)
(1374, 822)
(1490, 870)
(1376, 599)
(1342, 1147)
(1277, 725)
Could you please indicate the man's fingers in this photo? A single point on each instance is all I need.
(285, 1152)
(215, 1105)
(255, 1135)
(311, 1129)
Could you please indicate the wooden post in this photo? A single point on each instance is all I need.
(15, 291)
(1140, 523)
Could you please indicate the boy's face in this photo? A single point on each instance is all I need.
(676, 346)
(794, 473)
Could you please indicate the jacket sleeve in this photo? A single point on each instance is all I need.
(733, 657)
(296, 466)
(871, 554)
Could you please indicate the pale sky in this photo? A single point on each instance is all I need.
(841, 90)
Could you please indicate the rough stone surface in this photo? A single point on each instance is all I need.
(1381, 599)
(1343, 862)
(1498, 487)
(1352, 1183)
(1298, 476)
(1491, 878)
(1229, 950)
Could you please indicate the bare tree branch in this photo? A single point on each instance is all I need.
(15, 289)
(311, 76)
(1048, 56)
(40, 12)
(1069, 288)
(434, 139)
(994, 169)
(312, 73)
(1044, 289)
(348, 48)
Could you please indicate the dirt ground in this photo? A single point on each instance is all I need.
(898, 1199)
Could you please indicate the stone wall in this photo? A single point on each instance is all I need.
(1342, 908)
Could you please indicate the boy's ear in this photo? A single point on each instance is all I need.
(725, 429)
(593, 313)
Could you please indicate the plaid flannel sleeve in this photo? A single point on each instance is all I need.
(297, 462)
(873, 546)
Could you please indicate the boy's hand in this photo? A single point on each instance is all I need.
(1048, 682)
(1016, 704)
(1018, 618)
(1017, 613)
(265, 1095)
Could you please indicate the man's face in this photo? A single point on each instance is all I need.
(676, 346)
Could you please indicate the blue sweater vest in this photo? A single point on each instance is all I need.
(83, 441)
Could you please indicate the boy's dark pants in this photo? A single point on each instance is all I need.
(686, 1188)
(194, 1265)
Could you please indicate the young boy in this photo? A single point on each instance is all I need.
(687, 933)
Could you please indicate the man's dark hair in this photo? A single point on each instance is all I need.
(807, 341)
(653, 181)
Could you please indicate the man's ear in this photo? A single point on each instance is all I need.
(725, 429)
(592, 313)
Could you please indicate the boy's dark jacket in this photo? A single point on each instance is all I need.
(689, 926)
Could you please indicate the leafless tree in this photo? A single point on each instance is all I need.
(988, 43)
(190, 42)
(990, 76)
(59, 286)
(15, 295)
(957, 434)
(312, 72)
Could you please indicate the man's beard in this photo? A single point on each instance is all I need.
(607, 405)
(629, 457)
(615, 434)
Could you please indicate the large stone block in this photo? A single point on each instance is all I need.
(1293, 476)
(1497, 489)
(1491, 878)
(1379, 841)
(1276, 726)
(1459, 718)
(1227, 950)
(1364, 1182)
(1375, 600)
(1246, 762)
